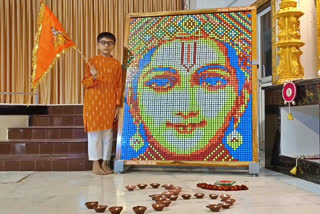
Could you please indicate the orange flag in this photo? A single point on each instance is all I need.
(51, 41)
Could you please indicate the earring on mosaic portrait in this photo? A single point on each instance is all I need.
(234, 139)
(136, 141)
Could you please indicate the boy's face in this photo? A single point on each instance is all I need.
(106, 46)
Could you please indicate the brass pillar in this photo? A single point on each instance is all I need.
(289, 43)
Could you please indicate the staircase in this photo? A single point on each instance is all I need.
(55, 141)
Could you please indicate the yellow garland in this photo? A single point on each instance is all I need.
(51, 65)
(36, 44)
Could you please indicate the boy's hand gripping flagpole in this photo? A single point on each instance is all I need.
(83, 57)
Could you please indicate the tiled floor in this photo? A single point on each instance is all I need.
(66, 192)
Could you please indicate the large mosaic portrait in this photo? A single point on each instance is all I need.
(189, 88)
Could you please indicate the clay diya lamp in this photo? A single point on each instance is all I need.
(130, 187)
(158, 207)
(225, 205)
(155, 196)
(199, 195)
(142, 186)
(213, 196)
(167, 186)
(162, 198)
(154, 185)
(139, 209)
(214, 207)
(173, 197)
(100, 208)
(167, 194)
(176, 187)
(115, 210)
(166, 202)
(230, 201)
(175, 191)
(225, 196)
(186, 196)
(91, 204)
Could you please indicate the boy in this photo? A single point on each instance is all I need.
(103, 83)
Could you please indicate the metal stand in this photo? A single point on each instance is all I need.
(118, 166)
(254, 169)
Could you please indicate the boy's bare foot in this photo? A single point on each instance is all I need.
(96, 168)
(105, 167)
(98, 171)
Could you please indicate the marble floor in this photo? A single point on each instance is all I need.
(66, 192)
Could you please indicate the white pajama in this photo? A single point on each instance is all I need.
(100, 145)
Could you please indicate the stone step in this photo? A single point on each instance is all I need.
(40, 109)
(65, 109)
(23, 109)
(56, 120)
(43, 146)
(47, 132)
(61, 162)
(55, 140)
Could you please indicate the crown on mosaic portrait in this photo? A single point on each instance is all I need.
(182, 35)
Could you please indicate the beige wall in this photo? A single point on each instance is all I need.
(10, 122)
(308, 27)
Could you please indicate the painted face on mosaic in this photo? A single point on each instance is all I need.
(186, 92)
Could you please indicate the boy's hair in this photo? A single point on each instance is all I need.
(107, 35)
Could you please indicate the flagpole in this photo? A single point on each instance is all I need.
(83, 57)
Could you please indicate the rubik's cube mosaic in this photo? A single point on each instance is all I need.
(189, 88)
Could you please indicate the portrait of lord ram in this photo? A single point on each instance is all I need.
(188, 90)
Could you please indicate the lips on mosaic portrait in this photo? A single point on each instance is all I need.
(186, 128)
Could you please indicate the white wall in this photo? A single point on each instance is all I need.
(308, 25)
(204, 4)
(10, 122)
(301, 135)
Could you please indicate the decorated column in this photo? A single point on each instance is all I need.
(289, 43)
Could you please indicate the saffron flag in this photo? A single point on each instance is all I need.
(51, 41)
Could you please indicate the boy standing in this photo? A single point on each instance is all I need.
(103, 83)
